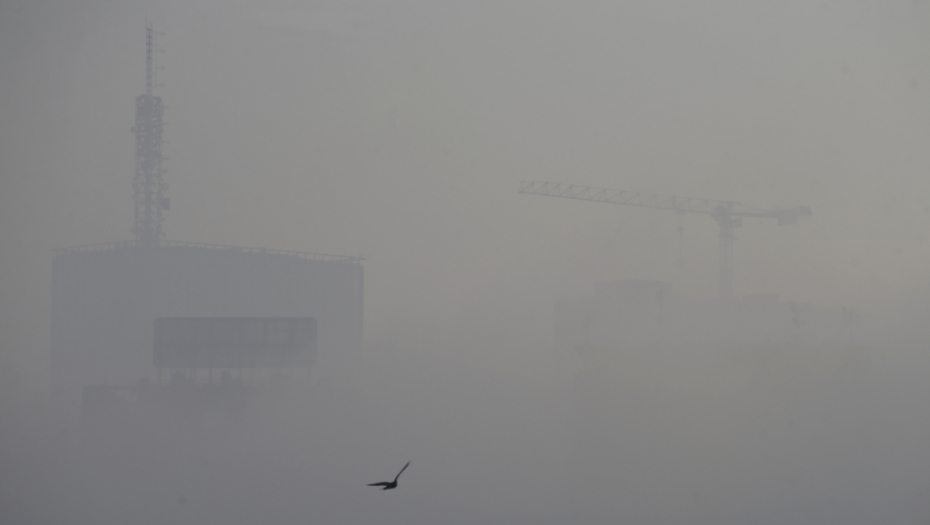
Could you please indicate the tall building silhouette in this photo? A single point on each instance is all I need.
(106, 297)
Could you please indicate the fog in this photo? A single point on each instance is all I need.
(400, 131)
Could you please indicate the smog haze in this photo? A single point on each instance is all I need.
(507, 353)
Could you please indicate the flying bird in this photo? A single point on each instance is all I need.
(390, 484)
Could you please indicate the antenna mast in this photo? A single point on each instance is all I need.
(147, 186)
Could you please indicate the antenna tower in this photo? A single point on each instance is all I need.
(148, 189)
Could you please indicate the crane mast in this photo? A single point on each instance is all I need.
(728, 214)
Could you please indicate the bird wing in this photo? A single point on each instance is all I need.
(401, 471)
(382, 484)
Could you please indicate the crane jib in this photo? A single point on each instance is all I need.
(728, 214)
(680, 205)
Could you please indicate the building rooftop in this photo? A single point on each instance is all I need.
(348, 259)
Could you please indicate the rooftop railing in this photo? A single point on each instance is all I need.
(348, 259)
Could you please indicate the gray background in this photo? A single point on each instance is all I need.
(400, 131)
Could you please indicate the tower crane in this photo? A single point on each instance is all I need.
(728, 214)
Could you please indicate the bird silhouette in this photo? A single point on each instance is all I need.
(388, 485)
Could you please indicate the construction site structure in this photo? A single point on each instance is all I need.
(728, 214)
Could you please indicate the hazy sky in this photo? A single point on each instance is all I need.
(400, 131)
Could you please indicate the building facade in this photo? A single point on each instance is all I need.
(105, 299)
